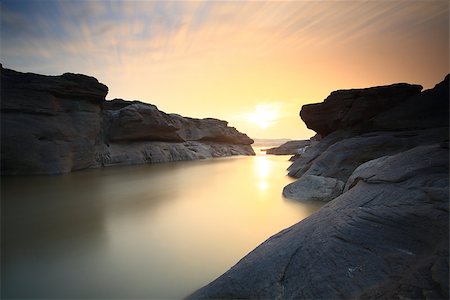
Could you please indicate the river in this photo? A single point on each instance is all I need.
(152, 231)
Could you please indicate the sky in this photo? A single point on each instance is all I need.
(251, 63)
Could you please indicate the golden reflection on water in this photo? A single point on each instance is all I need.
(262, 171)
(154, 231)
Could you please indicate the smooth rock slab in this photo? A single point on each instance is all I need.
(314, 188)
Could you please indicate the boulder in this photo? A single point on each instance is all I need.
(314, 188)
(386, 237)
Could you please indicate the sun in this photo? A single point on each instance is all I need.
(264, 115)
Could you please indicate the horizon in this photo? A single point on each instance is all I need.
(253, 64)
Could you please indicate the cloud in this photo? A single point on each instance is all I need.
(165, 29)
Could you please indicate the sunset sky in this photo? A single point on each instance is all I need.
(253, 64)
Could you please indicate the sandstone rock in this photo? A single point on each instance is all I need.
(117, 104)
(314, 188)
(144, 152)
(347, 109)
(49, 124)
(340, 159)
(289, 148)
(404, 122)
(385, 238)
(140, 121)
(430, 109)
(58, 124)
(402, 168)
(209, 130)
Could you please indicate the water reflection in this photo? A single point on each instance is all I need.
(155, 231)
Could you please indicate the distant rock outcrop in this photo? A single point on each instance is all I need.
(383, 165)
(289, 148)
(59, 124)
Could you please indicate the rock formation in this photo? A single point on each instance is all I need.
(289, 148)
(59, 124)
(383, 165)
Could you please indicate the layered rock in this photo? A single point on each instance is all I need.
(49, 124)
(58, 124)
(402, 123)
(383, 165)
(355, 108)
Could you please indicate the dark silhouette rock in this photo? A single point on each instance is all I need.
(58, 124)
(349, 109)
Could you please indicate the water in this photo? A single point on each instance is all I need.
(152, 231)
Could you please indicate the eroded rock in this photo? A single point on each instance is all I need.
(385, 239)
(58, 124)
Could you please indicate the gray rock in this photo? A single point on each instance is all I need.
(58, 124)
(341, 158)
(49, 124)
(140, 121)
(385, 238)
(209, 130)
(314, 188)
(144, 152)
(289, 148)
(401, 168)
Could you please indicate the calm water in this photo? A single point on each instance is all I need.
(153, 231)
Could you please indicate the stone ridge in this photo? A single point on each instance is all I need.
(59, 124)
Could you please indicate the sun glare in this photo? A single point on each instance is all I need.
(264, 115)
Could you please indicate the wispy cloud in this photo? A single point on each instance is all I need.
(125, 29)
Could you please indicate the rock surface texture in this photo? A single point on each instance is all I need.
(58, 124)
(385, 231)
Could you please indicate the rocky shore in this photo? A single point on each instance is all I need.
(289, 148)
(382, 165)
(59, 124)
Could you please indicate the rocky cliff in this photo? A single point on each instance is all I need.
(59, 124)
(382, 165)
